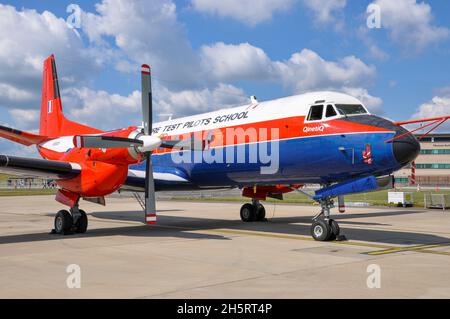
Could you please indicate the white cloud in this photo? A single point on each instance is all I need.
(186, 81)
(190, 102)
(27, 37)
(102, 109)
(145, 33)
(373, 103)
(374, 51)
(14, 94)
(326, 11)
(304, 71)
(251, 12)
(231, 62)
(410, 23)
(28, 119)
(438, 106)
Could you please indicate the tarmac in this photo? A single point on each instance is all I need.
(201, 249)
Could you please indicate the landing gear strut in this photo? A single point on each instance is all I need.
(75, 221)
(253, 212)
(323, 227)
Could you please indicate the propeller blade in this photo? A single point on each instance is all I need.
(150, 206)
(98, 141)
(186, 145)
(146, 86)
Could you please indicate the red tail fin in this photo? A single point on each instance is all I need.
(53, 123)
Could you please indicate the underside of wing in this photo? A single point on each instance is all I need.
(33, 167)
(165, 179)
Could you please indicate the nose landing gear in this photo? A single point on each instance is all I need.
(323, 227)
(253, 212)
(66, 222)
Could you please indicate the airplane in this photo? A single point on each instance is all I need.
(265, 148)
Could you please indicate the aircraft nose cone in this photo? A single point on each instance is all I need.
(406, 149)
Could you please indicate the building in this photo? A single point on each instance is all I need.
(432, 166)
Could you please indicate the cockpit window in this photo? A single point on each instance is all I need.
(330, 111)
(351, 109)
(315, 113)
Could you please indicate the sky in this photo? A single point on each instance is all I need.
(208, 54)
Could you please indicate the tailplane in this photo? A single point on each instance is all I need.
(53, 123)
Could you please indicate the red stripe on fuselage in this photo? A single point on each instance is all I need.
(285, 128)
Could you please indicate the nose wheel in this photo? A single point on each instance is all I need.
(254, 212)
(66, 222)
(325, 229)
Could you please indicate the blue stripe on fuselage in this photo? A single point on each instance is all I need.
(318, 159)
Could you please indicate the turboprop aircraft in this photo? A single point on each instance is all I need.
(264, 148)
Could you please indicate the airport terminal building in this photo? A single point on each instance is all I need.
(432, 166)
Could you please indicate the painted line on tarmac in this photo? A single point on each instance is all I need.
(386, 249)
(419, 248)
(296, 237)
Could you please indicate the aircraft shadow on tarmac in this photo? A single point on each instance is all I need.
(182, 227)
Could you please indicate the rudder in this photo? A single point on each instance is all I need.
(51, 108)
(52, 122)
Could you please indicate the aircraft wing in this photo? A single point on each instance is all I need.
(166, 178)
(33, 167)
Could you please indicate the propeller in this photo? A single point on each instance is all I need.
(143, 143)
(147, 107)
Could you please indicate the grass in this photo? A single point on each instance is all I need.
(4, 177)
(26, 192)
(374, 198)
(23, 191)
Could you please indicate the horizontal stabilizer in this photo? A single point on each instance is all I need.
(21, 137)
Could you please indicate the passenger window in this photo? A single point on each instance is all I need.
(330, 111)
(315, 113)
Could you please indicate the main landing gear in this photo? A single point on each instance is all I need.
(323, 227)
(66, 222)
(254, 212)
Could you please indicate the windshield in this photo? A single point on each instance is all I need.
(350, 109)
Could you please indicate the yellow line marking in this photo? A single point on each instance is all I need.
(420, 248)
(437, 252)
(386, 248)
(296, 237)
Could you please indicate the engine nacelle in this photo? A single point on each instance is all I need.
(359, 185)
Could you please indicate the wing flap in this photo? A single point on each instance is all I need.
(33, 167)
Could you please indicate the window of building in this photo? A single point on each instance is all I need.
(433, 166)
(315, 113)
(402, 180)
(330, 111)
(435, 151)
(441, 139)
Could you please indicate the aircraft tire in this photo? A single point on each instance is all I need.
(320, 230)
(335, 229)
(82, 223)
(63, 222)
(260, 213)
(248, 213)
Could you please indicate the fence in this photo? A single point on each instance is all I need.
(437, 201)
(27, 183)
